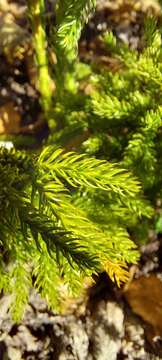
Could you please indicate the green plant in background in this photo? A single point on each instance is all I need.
(121, 117)
(129, 103)
(66, 215)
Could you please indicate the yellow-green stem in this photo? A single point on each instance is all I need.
(37, 14)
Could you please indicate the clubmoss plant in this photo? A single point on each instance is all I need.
(65, 215)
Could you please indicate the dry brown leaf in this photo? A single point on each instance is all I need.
(9, 119)
(144, 296)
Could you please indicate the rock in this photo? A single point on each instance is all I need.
(106, 331)
(43, 335)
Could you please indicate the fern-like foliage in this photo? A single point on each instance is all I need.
(49, 235)
(120, 118)
(71, 15)
(129, 103)
(134, 102)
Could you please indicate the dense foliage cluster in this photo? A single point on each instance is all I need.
(48, 236)
(120, 117)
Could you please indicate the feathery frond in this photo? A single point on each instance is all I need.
(71, 15)
(44, 229)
